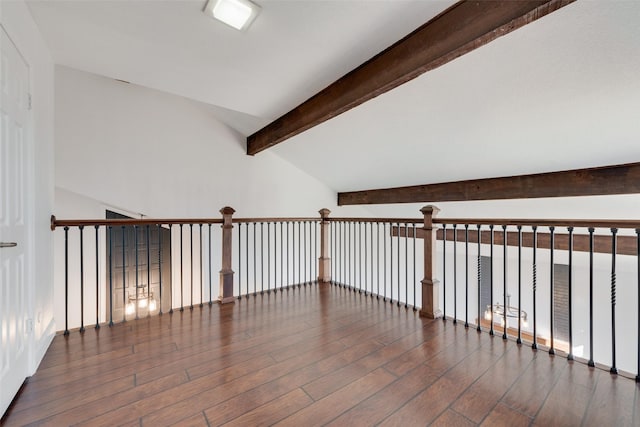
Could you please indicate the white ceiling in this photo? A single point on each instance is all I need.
(560, 93)
(293, 49)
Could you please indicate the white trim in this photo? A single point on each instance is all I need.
(47, 337)
(121, 211)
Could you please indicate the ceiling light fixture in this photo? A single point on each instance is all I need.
(238, 14)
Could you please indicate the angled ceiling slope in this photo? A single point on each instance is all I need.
(463, 27)
(293, 50)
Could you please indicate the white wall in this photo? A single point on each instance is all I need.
(73, 205)
(626, 285)
(143, 151)
(593, 207)
(17, 21)
(626, 206)
(162, 155)
(69, 205)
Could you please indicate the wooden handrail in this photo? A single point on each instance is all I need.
(586, 223)
(264, 220)
(385, 220)
(55, 223)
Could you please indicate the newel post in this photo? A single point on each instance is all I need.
(324, 262)
(226, 274)
(430, 284)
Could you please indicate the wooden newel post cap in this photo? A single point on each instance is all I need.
(227, 210)
(324, 213)
(430, 210)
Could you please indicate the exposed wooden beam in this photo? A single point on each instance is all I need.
(465, 26)
(618, 179)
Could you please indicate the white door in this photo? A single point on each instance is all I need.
(14, 119)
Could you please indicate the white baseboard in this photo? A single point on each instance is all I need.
(41, 347)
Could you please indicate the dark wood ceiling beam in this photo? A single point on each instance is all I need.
(618, 179)
(465, 26)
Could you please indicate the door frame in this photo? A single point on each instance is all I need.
(165, 265)
(31, 352)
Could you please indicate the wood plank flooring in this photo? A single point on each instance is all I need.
(316, 355)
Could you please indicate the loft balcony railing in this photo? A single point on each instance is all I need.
(113, 271)
(569, 287)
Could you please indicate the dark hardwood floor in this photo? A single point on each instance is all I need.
(316, 355)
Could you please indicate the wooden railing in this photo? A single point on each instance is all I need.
(371, 257)
(567, 286)
(113, 268)
(570, 286)
(273, 254)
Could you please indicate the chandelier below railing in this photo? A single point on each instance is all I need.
(498, 310)
(142, 301)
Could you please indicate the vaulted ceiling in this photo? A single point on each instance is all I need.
(562, 92)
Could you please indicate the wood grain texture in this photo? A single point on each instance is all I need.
(625, 245)
(479, 399)
(530, 391)
(451, 418)
(616, 179)
(575, 386)
(502, 415)
(316, 355)
(465, 26)
(61, 223)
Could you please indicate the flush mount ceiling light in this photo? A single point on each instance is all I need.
(238, 14)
